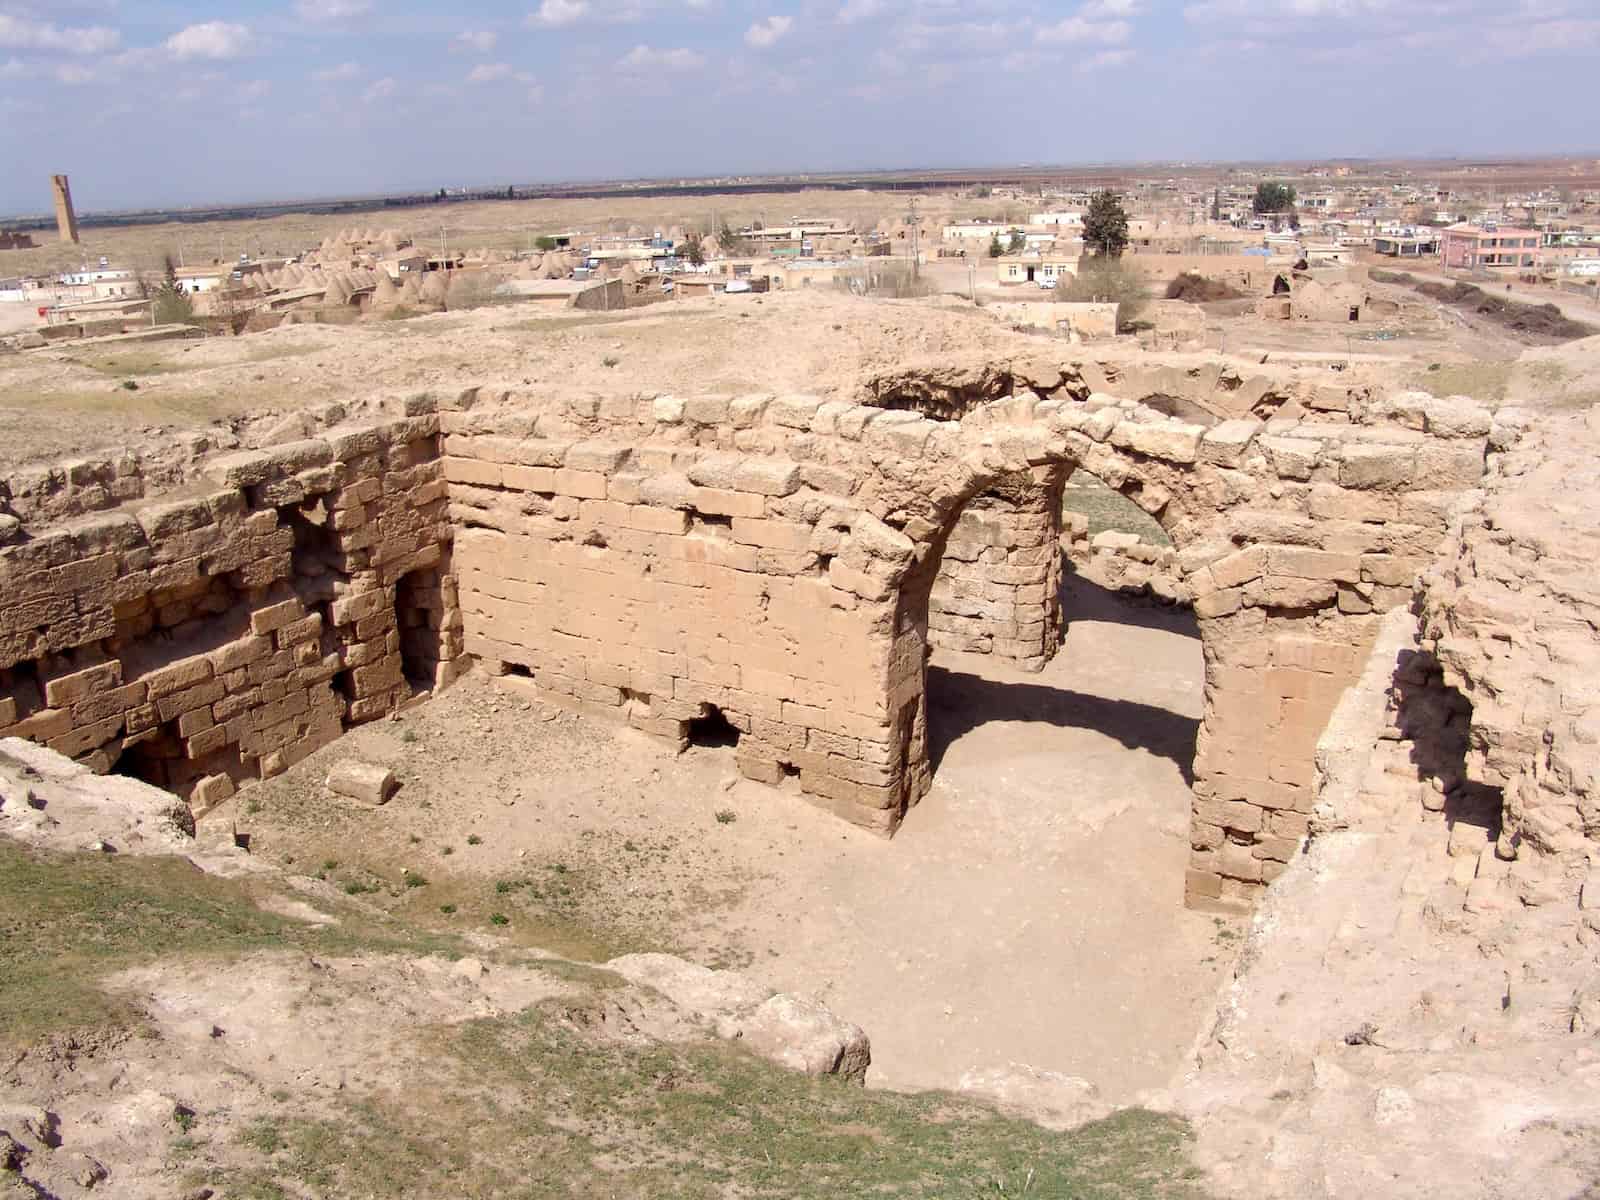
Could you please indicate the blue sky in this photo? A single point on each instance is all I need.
(169, 102)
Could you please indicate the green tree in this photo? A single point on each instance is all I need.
(732, 243)
(1105, 225)
(694, 250)
(995, 248)
(546, 243)
(172, 305)
(1272, 198)
(1105, 279)
(1018, 242)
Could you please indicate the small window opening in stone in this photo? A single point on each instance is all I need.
(713, 729)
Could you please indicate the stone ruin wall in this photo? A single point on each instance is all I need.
(772, 561)
(224, 633)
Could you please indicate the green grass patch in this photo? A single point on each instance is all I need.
(556, 1112)
(67, 921)
(1107, 508)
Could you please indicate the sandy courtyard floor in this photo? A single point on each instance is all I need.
(1029, 910)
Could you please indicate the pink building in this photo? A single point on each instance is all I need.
(1469, 247)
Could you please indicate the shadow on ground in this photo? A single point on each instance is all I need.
(960, 701)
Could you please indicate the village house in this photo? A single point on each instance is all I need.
(1469, 247)
(1040, 269)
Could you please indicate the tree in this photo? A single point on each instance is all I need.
(1272, 198)
(995, 248)
(1018, 242)
(1105, 225)
(546, 243)
(732, 243)
(1105, 279)
(172, 305)
(694, 250)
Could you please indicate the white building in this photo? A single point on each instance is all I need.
(1069, 217)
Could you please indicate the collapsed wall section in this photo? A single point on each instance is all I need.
(224, 634)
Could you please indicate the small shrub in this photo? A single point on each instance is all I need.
(609, 361)
(447, 850)
(183, 1117)
(726, 816)
(414, 839)
(355, 888)
(499, 919)
(408, 736)
(331, 864)
(447, 909)
(474, 840)
(129, 385)
(413, 879)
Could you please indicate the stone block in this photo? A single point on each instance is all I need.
(1171, 441)
(275, 616)
(767, 476)
(1378, 467)
(1225, 443)
(368, 783)
(1291, 458)
(63, 691)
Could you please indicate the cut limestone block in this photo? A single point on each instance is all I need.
(367, 782)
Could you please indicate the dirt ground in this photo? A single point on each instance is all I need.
(994, 928)
(58, 402)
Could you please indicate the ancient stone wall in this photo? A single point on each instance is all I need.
(225, 633)
(766, 562)
(998, 590)
(1510, 614)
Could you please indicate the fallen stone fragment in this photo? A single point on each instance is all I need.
(1046, 1098)
(804, 1035)
(367, 782)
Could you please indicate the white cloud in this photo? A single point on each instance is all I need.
(1081, 29)
(19, 33)
(1097, 10)
(494, 72)
(254, 90)
(852, 11)
(74, 74)
(767, 33)
(211, 39)
(475, 41)
(345, 70)
(643, 57)
(1347, 31)
(1104, 59)
(331, 12)
(382, 89)
(556, 13)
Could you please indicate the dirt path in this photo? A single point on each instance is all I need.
(1030, 909)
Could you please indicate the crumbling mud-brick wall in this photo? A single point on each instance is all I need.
(224, 633)
(763, 563)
